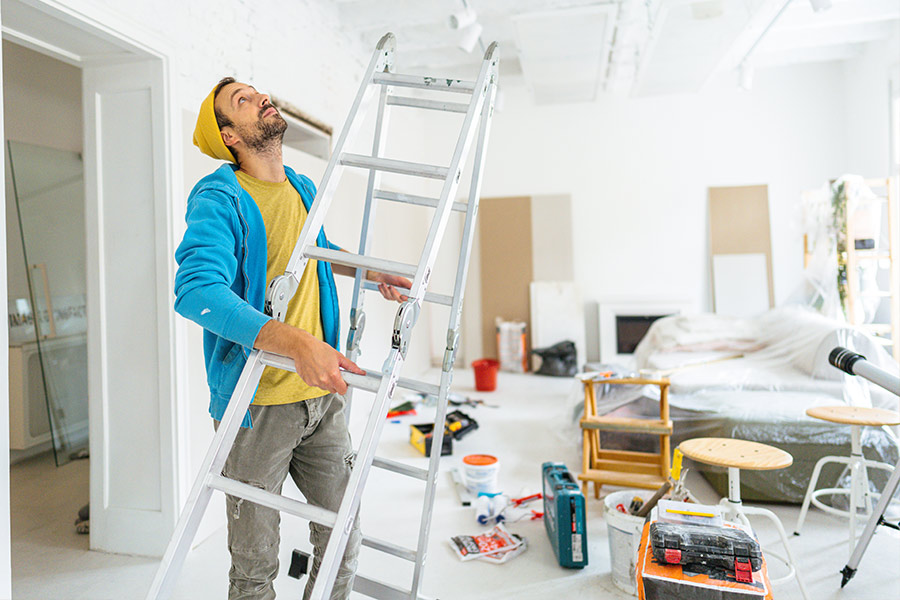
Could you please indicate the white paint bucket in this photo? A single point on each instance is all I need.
(481, 473)
(624, 534)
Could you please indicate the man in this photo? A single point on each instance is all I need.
(243, 221)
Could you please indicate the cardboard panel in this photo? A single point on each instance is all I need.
(739, 224)
(506, 265)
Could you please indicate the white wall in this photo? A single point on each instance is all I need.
(638, 169)
(42, 106)
(866, 93)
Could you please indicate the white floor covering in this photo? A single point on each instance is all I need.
(51, 561)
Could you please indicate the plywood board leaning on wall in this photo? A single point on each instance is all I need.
(739, 234)
(506, 265)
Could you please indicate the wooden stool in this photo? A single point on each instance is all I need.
(859, 495)
(737, 455)
(647, 470)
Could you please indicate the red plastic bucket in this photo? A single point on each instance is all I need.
(486, 374)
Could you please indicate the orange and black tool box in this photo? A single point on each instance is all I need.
(659, 580)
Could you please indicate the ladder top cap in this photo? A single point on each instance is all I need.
(490, 53)
(387, 42)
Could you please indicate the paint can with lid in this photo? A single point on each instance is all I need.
(481, 473)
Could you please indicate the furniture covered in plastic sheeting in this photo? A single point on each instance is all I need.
(754, 379)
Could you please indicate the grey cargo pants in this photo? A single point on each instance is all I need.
(309, 441)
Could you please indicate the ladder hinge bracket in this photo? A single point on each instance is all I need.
(357, 326)
(450, 351)
(279, 293)
(406, 318)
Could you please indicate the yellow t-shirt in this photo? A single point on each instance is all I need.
(283, 213)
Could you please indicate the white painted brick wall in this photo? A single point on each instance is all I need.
(292, 49)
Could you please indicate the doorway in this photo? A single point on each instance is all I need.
(46, 291)
(123, 85)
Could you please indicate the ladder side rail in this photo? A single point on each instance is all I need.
(442, 213)
(213, 463)
(367, 228)
(462, 269)
(382, 57)
(337, 541)
(453, 334)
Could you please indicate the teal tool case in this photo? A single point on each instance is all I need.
(564, 516)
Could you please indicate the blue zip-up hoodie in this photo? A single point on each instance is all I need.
(221, 279)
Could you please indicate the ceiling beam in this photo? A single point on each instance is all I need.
(383, 15)
(757, 27)
(808, 55)
(780, 40)
(801, 16)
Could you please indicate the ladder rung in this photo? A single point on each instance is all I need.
(369, 382)
(397, 467)
(389, 548)
(378, 589)
(349, 259)
(372, 379)
(429, 296)
(394, 166)
(417, 200)
(457, 107)
(425, 83)
(270, 500)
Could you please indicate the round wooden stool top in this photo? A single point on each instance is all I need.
(726, 452)
(855, 415)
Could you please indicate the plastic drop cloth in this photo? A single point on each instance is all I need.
(825, 214)
(751, 379)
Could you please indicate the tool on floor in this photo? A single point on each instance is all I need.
(457, 425)
(564, 516)
(402, 409)
(472, 402)
(490, 508)
(856, 364)
(379, 81)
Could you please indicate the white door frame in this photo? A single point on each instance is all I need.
(123, 534)
(5, 550)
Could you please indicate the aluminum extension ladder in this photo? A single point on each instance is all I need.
(379, 78)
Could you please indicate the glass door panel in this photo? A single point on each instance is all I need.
(47, 285)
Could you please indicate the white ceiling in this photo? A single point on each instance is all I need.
(572, 50)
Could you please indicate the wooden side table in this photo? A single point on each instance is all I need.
(737, 455)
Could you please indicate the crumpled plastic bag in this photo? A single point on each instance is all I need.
(559, 360)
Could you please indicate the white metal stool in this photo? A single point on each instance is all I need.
(737, 455)
(860, 497)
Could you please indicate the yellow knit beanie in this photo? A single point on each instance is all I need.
(207, 136)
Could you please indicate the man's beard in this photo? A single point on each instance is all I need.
(265, 135)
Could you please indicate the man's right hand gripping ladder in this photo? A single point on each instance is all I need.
(381, 83)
